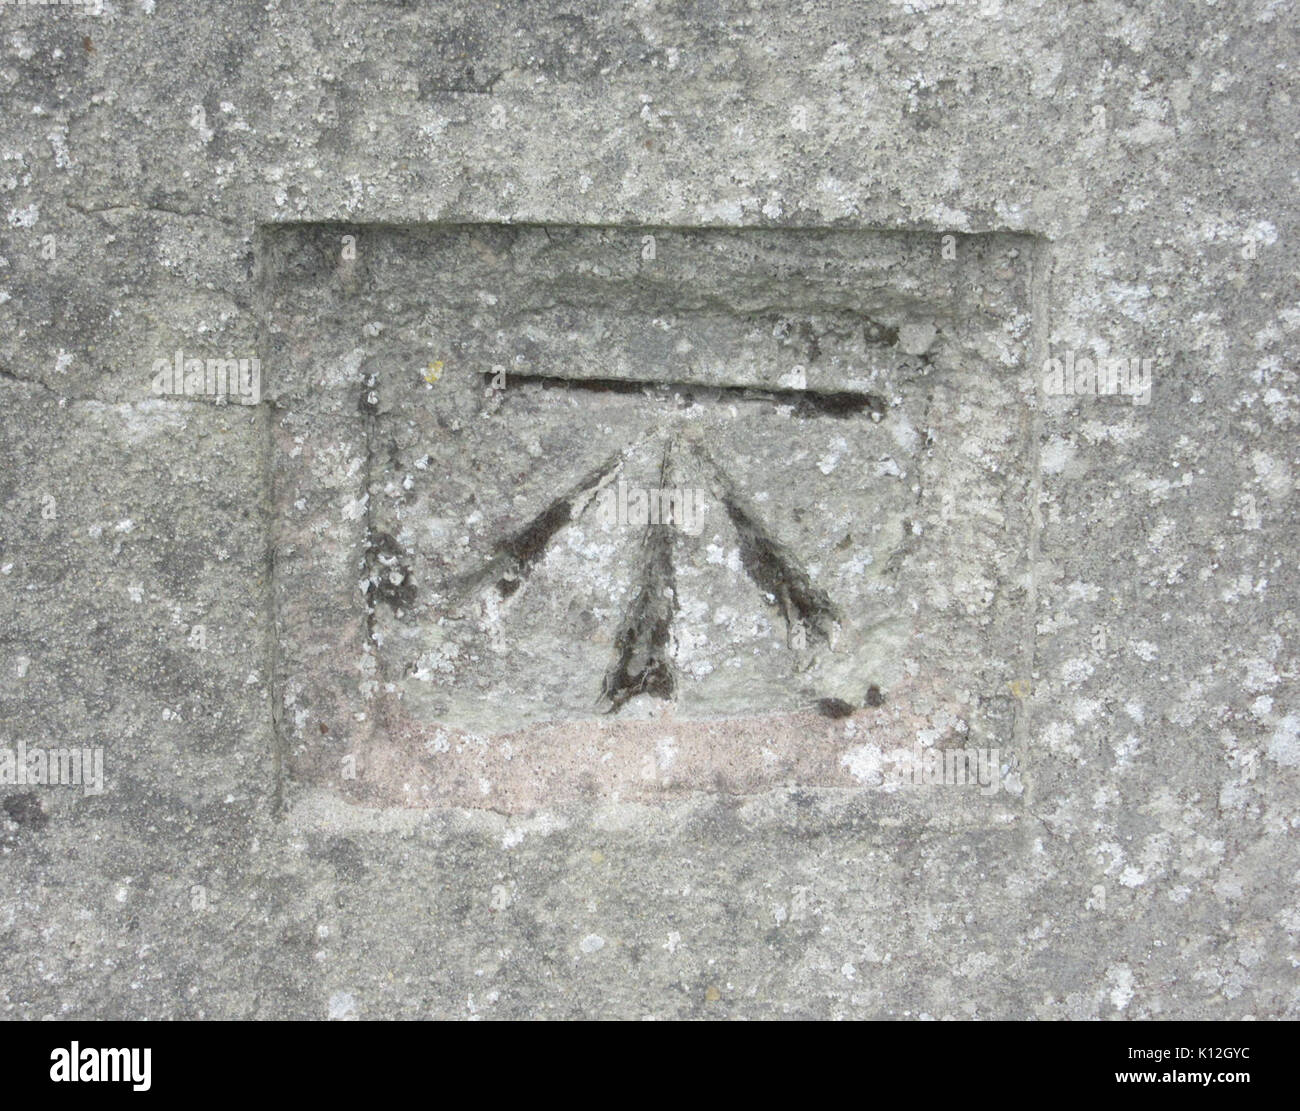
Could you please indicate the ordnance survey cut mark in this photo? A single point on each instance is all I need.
(642, 661)
(500, 616)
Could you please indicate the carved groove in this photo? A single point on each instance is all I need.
(771, 565)
(806, 403)
(518, 554)
(642, 664)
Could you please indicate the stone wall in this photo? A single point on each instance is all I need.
(917, 205)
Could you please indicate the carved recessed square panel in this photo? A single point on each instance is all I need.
(573, 512)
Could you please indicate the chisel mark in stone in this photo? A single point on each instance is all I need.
(642, 663)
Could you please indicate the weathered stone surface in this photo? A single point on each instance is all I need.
(181, 180)
(623, 511)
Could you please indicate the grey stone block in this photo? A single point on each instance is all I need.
(1117, 573)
